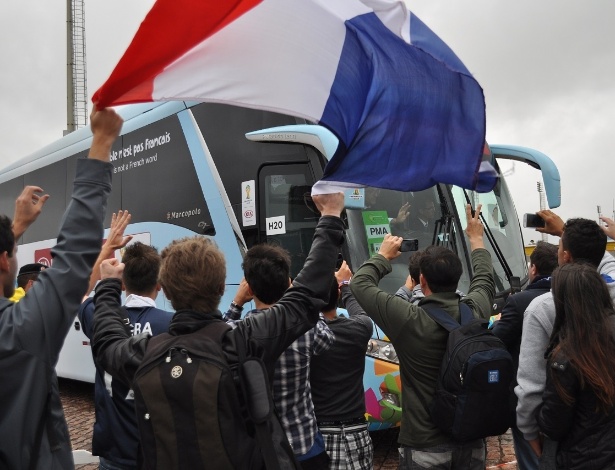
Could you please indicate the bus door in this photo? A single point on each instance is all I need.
(286, 214)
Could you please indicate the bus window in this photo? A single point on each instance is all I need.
(502, 226)
(159, 181)
(236, 158)
(285, 216)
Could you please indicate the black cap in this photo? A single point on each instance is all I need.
(33, 268)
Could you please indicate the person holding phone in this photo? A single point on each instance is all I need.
(420, 342)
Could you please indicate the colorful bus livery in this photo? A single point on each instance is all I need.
(187, 168)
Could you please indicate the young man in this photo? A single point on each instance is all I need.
(116, 437)
(28, 274)
(580, 240)
(267, 273)
(420, 342)
(193, 276)
(32, 331)
(543, 261)
(337, 381)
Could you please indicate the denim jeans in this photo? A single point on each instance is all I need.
(105, 464)
(526, 457)
(450, 456)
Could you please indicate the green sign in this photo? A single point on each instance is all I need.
(376, 227)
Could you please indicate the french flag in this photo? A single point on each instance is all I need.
(406, 111)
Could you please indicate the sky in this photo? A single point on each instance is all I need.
(547, 69)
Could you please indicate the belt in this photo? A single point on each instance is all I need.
(342, 428)
(343, 422)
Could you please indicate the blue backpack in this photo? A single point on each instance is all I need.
(471, 399)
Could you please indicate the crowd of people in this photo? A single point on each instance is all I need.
(281, 386)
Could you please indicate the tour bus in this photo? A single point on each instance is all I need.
(184, 168)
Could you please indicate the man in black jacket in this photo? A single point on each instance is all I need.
(543, 261)
(192, 277)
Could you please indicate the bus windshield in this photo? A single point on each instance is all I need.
(436, 216)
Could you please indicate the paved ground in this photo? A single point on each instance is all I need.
(78, 400)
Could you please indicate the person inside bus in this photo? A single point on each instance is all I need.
(116, 436)
(421, 223)
(374, 201)
(32, 331)
(28, 274)
(193, 275)
(580, 240)
(266, 270)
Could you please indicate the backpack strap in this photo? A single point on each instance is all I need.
(442, 318)
(257, 396)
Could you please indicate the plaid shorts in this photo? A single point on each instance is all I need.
(349, 447)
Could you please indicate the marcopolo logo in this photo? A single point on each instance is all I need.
(183, 214)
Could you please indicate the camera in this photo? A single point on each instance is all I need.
(532, 221)
(409, 244)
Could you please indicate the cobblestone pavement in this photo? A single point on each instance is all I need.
(78, 401)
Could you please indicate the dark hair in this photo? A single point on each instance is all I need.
(334, 295)
(544, 257)
(193, 274)
(267, 271)
(582, 330)
(7, 238)
(141, 268)
(584, 240)
(441, 268)
(23, 279)
(414, 266)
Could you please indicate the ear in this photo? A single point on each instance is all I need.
(567, 256)
(4, 261)
(158, 287)
(533, 270)
(123, 287)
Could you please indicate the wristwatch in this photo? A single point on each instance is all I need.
(236, 306)
(342, 284)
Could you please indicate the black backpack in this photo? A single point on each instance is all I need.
(471, 399)
(191, 409)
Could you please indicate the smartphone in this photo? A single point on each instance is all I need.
(409, 244)
(532, 221)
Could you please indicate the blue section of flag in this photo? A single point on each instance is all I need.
(407, 116)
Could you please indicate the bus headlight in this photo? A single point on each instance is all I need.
(382, 350)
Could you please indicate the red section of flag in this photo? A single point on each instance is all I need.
(170, 29)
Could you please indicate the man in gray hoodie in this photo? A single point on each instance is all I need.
(581, 240)
(32, 426)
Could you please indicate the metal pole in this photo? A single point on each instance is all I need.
(70, 90)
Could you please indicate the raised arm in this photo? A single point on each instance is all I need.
(298, 309)
(28, 206)
(115, 241)
(51, 305)
(119, 353)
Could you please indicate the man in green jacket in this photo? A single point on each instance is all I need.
(420, 342)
